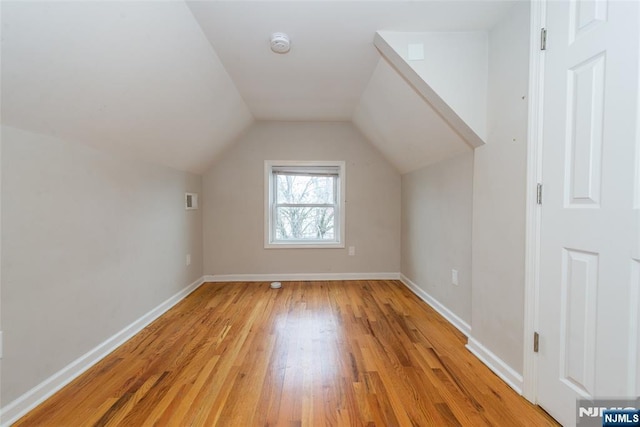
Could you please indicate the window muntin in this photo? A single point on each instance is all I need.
(304, 204)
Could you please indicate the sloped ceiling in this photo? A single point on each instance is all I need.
(175, 83)
(402, 125)
(132, 77)
(332, 54)
(452, 76)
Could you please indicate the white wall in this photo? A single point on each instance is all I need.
(436, 231)
(499, 183)
(1, 338)
(455, 66)
(90, 243)
(234, 203)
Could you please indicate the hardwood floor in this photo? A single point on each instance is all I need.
(357, 353)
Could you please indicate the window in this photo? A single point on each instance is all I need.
(304, 204)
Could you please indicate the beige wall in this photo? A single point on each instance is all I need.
(499, 195)
(233, 204)
(436, 231)
(90, 243)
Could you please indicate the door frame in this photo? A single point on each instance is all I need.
(533, 214)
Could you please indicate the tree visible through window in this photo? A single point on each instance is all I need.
(304, 204)
(305, 207)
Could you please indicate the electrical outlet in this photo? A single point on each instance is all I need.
(188, 259)
(454, 277)
(352, 250)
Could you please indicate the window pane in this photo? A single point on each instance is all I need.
(298, 189)
(297, 223)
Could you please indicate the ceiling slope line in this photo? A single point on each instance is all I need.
(426, 91)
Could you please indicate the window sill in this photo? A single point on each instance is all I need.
(314, 245)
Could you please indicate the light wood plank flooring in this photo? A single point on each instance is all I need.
(355, 353)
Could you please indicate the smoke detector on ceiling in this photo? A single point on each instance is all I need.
(280, 43)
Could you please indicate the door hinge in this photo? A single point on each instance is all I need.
(539, 194)
(536, 342)
(543, 39)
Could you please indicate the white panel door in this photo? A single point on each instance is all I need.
(589, 230)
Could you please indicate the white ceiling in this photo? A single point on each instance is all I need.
(332, 55)
(405, 128)
(175, 83)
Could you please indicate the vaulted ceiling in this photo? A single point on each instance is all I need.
(176, 82)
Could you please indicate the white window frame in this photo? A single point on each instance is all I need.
(269, 198)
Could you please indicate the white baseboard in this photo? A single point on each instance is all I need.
(29, 400)
(32, 398)
(497, 365)
(460, 324)
(298, 277)
(493, 362)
